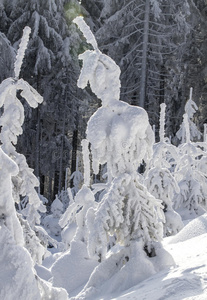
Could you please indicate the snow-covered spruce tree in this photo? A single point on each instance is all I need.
(191, 201)
(190, 110)
(25, 182)
(160, 181)
(73, 220)
(120, 135)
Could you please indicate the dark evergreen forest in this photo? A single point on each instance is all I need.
(162, 52)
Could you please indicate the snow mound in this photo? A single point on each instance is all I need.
(124, 269)
(193, 229)
(72, 270)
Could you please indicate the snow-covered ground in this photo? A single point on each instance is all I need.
(188, 279)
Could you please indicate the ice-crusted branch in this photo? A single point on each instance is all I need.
(186, 126)
(21, 51)
(86, 161)
(86, 31)
(162, 122)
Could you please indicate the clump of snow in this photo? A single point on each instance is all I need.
(194, 228)
(120, 135)
(72, 270)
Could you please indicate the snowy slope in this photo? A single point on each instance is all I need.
(188, 279)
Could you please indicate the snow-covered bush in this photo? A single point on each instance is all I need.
(74, 219)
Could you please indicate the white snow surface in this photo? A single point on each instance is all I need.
(188, 279)
(185, 280)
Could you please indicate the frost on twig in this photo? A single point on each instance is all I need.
(21, 51)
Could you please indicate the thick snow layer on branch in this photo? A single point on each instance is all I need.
(127, 211)
(162, 122)
(17, 278)
(98, 69)
(21, 51)
(7, 208)
(86, 162)
(121, 136)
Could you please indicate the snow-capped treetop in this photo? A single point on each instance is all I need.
(57, 207)
(21, 51)
(190, 109)
(190, 106)
(98, 69)
(120, 135)
(164, 153)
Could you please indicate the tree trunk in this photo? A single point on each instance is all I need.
(74, 153)
(144, 55)
(61, 154)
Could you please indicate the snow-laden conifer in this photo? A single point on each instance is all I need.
(160, 181)
(191, 179)
(74, 219)
(121, 137)
(190, 109)
(11, 121)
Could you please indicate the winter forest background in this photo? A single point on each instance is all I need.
(95, 168)
(167, 58)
